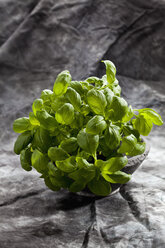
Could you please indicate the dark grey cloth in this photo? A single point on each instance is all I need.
(38, 39)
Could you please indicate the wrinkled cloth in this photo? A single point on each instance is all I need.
(39, 39)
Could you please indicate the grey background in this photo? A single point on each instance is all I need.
(38, 39)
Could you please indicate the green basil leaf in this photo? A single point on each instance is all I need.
(74, 98)
(83, 163)
(143, 125)
(114, 164)
(33, 120)
(96, 125)
(83, 174)
(117, 177)
(97, 101)
(65, 115)
(46, 120)
(78, 121)
(85, 109)
(49, 184)
(21, 125)
(46, 95)
(42, 140)
(110, 71)
(22, 142)
(129, 114)
(118, 108)
(25, 159)
(69, 145)
(37, 105)
(95, 80)
(88, 142)
(138, 149)
(128, 129)
(57, 154)
(61, 84)
(152, 115)
(100, 187)
(39, 161)
(77, 86)
(58, 102)
(109, 96)
(77, 186)
(112, 136)
(128, 144)
(67, 165)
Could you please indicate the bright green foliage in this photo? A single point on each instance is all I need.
(80, 133)
(62, 81)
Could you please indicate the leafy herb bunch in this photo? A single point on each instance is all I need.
(80, 134)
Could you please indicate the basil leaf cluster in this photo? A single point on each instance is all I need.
(80, 133)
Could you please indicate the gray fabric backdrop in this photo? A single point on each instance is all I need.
(38, 39)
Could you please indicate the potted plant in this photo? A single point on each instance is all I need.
(83, 134)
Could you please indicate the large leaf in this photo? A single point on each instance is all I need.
(46, 120)
(62, 81)
(112, 136)
(96, 125)
(57, 154)
(21, 125)
(22, 141)
(77, 186)
(118, 108)
(39, 161)
(143, 125)
(77, 86)
(42, 140)
(46, 95)
(51, 186)
(65, 115)
(97, 101)
(33, 120)
(99, 186)
(74, 98)
(88, 142)
(116, 177)
(25, 159)
(113, 164)
(129, 114)
(69, 145)
(67, 165)
(110, 71)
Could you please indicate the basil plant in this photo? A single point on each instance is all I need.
(80, 134)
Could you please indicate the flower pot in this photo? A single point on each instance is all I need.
(130, 168)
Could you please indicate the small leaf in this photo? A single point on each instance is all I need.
(50, 185)
(57, 154)
(69, 145)
(96, 125)
(83, 174)
(25, 159)
(128, 144)
(143, 125)
(100, 187)
(83, 163)
(97, 101)
(77, 86)
(22, 142)
(88, 142)
(46, 120)
(65, 115)
(114, 164)
(61, 84)
(112, 136)
(78, 121)
(117, 177)
(74, 98)
(152, 115)
(67, 165)
(110, 71)
(46, 95)
(37, 105)
(58, 102)
(33, 120)
(21, 125)
(39, 161)
(129, 114)
(77, 186)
